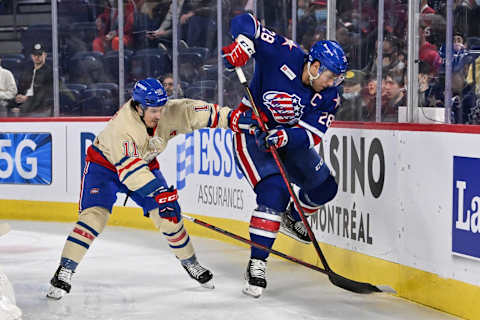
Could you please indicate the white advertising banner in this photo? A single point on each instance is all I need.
(410, 197)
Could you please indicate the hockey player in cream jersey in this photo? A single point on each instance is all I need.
(123, 159)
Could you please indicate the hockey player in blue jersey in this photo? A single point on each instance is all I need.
(297, 96)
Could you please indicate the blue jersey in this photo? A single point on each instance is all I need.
(277, 87)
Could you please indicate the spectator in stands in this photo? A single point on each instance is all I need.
(8, 90)
(425, 8)
(425, 83)
(165, 29)
(352, 102)
(429, 37)
(463, 93)
(168, 85)
(391, 52)
(35, 86)
(470, 80)
(312, 18)
(369, 97)
(198, 21)
(394, 96)
(107, 26)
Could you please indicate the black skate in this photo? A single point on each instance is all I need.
(255, 276)
(200, 274)
(60, 283)
(294, 229)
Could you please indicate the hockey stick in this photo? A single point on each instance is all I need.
(254, 244)
(336, 279)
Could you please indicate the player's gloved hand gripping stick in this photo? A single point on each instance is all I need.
(336, 279)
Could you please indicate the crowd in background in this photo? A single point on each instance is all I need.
(89, 42)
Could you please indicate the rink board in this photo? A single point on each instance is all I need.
(405, 215)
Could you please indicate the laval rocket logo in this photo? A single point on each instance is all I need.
(284, 107)
(466, 207)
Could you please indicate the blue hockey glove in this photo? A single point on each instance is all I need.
(277, 138)
(168, 206)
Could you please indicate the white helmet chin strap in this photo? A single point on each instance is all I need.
(311, 77)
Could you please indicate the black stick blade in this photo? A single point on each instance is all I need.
(352, 285)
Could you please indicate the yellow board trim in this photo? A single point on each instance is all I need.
(448, 295)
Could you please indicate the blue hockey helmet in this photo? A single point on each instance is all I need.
(331, 57)
(149, 93)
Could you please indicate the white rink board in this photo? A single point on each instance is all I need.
(409, 222)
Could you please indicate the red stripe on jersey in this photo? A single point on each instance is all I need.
(216, 117)
(180, 237)
(84, 233)
(95, 157)
(128, 166)
(154, 165)
(316, 139)
(309, 210)
(243, 159)
(264, 224)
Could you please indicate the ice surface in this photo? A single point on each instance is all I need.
(131, 274)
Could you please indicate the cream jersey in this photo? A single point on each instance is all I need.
(126, 147)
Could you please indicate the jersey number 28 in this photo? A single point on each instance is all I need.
(267, 35)
(326, 119)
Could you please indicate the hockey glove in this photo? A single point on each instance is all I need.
(238, 52)
(277, 138)
(168, 206)
(241, 120)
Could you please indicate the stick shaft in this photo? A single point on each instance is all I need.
(254, 244)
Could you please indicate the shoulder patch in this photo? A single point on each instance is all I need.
(288, 72)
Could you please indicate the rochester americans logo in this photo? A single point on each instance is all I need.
(284, 107)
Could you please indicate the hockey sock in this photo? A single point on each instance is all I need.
(91, 223)
(179, 241)
(273, 198)
(264, 225)
(77, 244)
(176, 235)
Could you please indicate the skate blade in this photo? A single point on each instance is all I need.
(209, 284)
(55, 293)
(292, 235)
(252, 291)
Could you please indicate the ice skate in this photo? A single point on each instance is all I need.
(60, 283)
(199, 273)
(294, 229)
(255, 276)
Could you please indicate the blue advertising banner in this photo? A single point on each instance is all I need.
(466, 207)
(25, 158)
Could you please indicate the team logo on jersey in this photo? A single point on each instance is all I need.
(284, 107)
